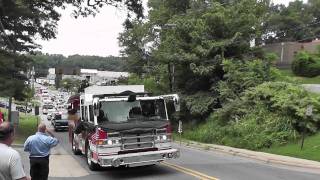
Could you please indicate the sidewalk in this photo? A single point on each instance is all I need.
(61, 164)
(260, 156)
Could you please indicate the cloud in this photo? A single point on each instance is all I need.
(87, 36)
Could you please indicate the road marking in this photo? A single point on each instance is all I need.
(189, 171)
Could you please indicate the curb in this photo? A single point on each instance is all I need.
(259, 156)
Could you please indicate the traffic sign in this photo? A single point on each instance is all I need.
(180, 127)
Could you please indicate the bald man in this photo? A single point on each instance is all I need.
(10, 161)
(39, 146)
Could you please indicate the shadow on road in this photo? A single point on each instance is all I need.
(137, 172)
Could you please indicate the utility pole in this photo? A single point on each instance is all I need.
(171, 76)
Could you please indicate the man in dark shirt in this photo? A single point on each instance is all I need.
(39, 146)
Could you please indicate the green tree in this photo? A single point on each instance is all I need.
(134, 41)
(298, 21)
(70, 84)
(192, 38)
(12, 81)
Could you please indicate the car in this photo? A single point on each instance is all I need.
(46, 108)
(4, 105)
(49, 116)
(24, 109)
(60, 122)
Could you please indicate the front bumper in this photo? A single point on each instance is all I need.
(61, 126)
(136, 159)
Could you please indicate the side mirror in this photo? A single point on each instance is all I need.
(176, 102)
(96, 106)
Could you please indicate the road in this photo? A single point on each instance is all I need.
(193, 164)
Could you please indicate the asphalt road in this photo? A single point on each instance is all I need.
(193, 164)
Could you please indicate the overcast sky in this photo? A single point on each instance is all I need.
(91, 35)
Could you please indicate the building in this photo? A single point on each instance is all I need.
(89, 74)
(92, 75)
(110, 76)
(287, 50)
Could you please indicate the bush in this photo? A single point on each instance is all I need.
(240, 76)
(269, 114)
(306, 65)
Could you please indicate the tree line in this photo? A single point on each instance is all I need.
(42, 62)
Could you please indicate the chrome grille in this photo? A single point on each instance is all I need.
(137, 140)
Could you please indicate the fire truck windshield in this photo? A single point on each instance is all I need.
(123, 111)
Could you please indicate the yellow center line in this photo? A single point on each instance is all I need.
(189, 171)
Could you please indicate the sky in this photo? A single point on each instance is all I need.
(92, 35)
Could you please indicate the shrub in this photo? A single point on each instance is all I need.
(240, 76)
(269, 114)
(306, 65)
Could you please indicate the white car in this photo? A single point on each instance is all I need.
(49, 116)
(44, 111)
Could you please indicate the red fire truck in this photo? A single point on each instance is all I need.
(124, 126)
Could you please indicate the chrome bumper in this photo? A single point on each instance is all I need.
(62, 126)
(138, 159)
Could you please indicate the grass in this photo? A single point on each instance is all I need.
(27, 126)
(311, 149)
(298, 79)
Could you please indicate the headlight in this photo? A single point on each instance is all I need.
(158, 138)
(109, 142)
(116, 141)
(164, 137)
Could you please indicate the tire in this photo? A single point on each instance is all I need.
(92, 166)
(75, 150)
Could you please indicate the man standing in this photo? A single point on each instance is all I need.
(10, 161)
(39, 146)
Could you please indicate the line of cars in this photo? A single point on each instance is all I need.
(55, 107)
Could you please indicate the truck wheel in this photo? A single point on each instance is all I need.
(75, 150)
(92, 166)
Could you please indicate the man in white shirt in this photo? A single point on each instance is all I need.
(10, 161)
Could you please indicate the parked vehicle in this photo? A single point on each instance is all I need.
(124, 126)
(60, 122)
(4, 105)
(24, 109)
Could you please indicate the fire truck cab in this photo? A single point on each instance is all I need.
(124, 126)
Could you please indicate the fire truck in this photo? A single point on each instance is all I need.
(124, 126)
